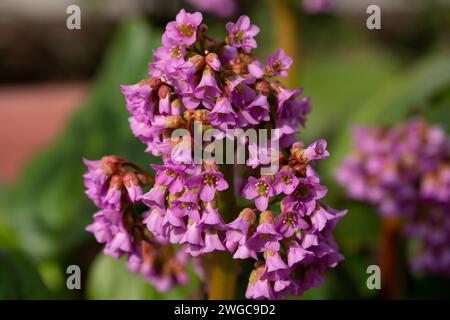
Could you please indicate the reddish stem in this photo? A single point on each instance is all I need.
(392, 259)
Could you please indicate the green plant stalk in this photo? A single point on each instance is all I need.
(287, 35)
(221, 269)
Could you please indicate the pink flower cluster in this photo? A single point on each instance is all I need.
(405, 171)
(194, 78)
(115, 185)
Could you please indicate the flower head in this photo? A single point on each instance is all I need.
(241, 34)
(278, 63)
(266, 236)
(208, 182)
(259, 190)
(184, 29)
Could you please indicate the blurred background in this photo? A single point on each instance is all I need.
(60, 101)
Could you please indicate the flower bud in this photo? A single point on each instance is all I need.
(130, 179)
(198, 61)
(256, 274)
(213, 61)
(203, 27)
(153, 82)
(263, 87)
(116, 182)
(175, 107)
(149, 252)
(173, 122)
(109, 165)
(145, 179)
(202, 115)
(267, 217)
(163, 91)
(248, 215)
(297, 152)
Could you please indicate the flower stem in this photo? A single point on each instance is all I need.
(392, 259)
(287, 34)
(221, 269)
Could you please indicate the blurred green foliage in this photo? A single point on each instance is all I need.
(110, 279)
(416, 91)
(422, 89)
(47, 211)
(19, 278)
(42, 219)
(53, 217)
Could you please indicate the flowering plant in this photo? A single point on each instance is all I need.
(405, 172)
(221, 212)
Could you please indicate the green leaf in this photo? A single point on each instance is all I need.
(357, 235)
(439, 112)
(48, 208)
(7, 234)
(338, 83)
(422, 89)
(19, 278)
(110, 279)
(406, 95)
